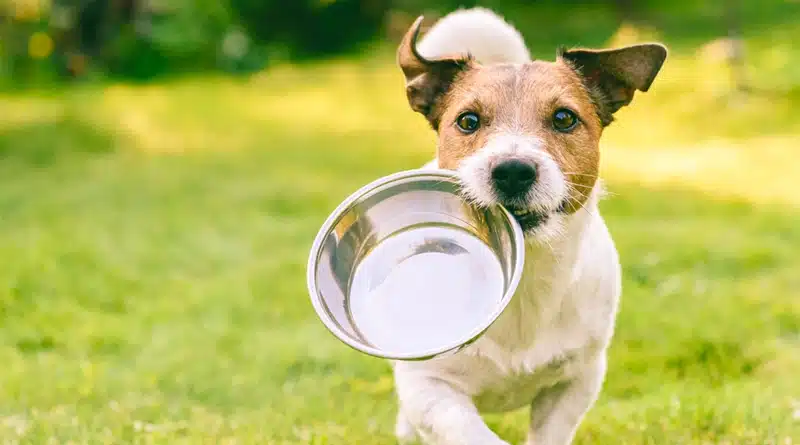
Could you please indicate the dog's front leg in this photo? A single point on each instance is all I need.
(440, 414)
(557, 412)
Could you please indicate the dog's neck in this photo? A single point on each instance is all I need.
(549, 271)
(549, 262)
(562, 241)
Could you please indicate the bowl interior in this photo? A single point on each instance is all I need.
(406, 269)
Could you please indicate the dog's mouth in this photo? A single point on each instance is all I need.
(528, 219)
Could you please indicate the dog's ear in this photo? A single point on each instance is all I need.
(427, 80)
(613, 75)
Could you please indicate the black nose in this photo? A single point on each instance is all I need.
(513, 178)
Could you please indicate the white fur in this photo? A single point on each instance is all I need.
(476, 171)
(547, 194)
(547, 351)
(476, 31)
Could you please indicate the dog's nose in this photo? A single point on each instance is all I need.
(513, 178)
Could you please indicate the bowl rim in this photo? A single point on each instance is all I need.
(335, 216)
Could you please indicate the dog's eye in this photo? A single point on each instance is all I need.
(564, 120)
(468, 122)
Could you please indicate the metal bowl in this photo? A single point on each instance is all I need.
(406, 269)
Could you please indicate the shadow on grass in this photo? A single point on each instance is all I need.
(41, 144)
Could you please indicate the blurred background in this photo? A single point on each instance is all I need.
(165, 165)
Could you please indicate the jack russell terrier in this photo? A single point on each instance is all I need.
(524, 134)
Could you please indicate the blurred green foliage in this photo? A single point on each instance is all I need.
(312, 27)
(46, 40)
(52, 39)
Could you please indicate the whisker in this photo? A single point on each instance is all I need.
(580, 174)
(574, 201)
(610, 193)
(587, 187)
(579, 185)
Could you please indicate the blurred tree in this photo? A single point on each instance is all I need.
(312, 27)
(167, 37)
(147, 38)
(83, 28)
(627, 10)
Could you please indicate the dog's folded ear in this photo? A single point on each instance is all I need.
(427, 80)
(613, 75)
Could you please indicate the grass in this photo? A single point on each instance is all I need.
(155, 240)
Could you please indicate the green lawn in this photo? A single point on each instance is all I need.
(155, 241)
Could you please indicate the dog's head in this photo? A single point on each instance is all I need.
(526, 136)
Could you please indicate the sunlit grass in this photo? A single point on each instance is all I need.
(155, 240)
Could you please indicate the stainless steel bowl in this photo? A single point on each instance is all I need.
(406, 269)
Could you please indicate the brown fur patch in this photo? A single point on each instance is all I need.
(427, 80)
(612, 76)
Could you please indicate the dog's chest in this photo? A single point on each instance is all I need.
(507, 381)
(520, 387)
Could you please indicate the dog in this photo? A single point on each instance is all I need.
(523, 134)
